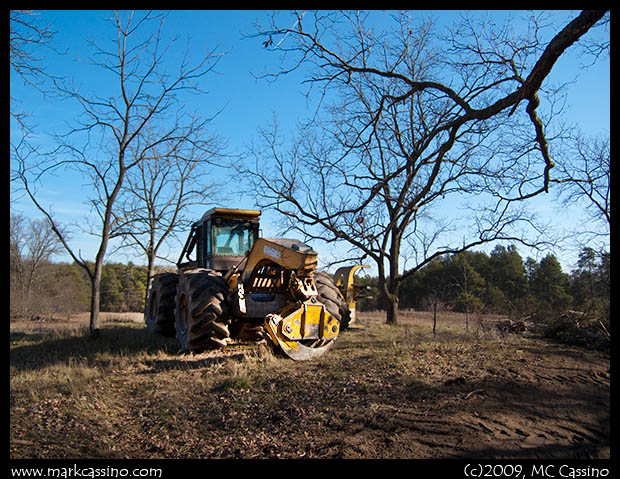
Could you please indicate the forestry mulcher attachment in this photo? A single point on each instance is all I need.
(231, 283)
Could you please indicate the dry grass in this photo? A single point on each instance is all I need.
(385, 391)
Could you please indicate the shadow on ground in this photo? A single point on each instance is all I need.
(46, 349)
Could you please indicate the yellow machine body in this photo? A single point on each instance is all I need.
(344, 279)
(231, 281)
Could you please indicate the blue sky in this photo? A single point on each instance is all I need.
(246, 102)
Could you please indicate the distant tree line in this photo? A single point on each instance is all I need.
(470, 281)
(64, 289)
(573, 306)
(41, 287)
(502, 283)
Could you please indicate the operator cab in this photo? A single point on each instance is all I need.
(220, 239)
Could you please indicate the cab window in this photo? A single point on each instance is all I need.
(232, 238)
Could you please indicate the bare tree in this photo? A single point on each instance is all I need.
(433, 302)
(467, 280)
(32, 244)
(585, 177)
(406, 119)
(159, 191)
(118, 132)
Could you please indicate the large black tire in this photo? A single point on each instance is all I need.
(201, 317)
(330, 296)
(160, 304)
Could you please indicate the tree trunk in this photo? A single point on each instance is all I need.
(95, 297)
(391, 309)
(467, 317)
(393, 283)
(149, 277)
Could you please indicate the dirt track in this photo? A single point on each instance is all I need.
(546, 403)
(534, 401)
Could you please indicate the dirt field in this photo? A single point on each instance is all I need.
(381, 392)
